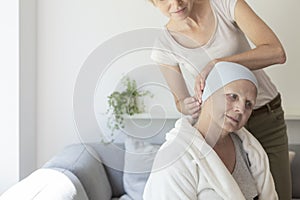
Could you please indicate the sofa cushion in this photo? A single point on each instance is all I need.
(139, 157)
(112, 157)
(47, 184)
(84, 162)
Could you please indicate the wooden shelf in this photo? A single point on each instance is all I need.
(168, 115)
(152, 115)
(292, 117)
(177, 115)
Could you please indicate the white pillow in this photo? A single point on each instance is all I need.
(291, 156)
(139, 157)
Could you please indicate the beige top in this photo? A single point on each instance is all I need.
(226, 40)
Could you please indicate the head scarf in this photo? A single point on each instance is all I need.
(224, 73)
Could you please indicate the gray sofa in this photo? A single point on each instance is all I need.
(96, 170)
(295, 169)
(97, 166)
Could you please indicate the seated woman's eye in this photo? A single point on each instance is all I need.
(249, 105)
(232, 97)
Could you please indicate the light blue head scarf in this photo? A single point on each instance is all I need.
(224, 73)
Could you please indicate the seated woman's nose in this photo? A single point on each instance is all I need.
(239, 107)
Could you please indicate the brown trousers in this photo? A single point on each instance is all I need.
(268, 126)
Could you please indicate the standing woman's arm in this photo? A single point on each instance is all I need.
(184, 102)
(268, 50)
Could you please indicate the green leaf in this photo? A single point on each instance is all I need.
(125, 102)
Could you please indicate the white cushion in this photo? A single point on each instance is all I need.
(44, 184)
(291, 156)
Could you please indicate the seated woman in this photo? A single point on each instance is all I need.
(216, 158)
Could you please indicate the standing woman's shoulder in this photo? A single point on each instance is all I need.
(225, 8)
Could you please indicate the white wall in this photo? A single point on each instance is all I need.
(68, 31)
(27, 90)
(9, 87)
(293, 127)
(17, 82)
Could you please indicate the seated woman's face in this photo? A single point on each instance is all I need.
(232, 105)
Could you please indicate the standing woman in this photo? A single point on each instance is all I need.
(201, 33)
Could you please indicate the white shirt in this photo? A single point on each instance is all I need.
(226, 40)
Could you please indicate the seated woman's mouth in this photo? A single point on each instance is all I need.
(236, 120)
(180, 11)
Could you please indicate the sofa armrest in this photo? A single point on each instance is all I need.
(84, 163)
(47, 184)
(295, 166)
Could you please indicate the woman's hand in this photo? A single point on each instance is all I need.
(200, 80)
(191, 106)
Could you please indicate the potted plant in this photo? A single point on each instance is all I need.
(127, 102)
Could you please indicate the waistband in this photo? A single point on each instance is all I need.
(269, 107)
